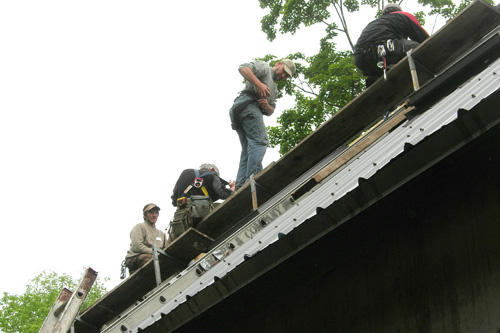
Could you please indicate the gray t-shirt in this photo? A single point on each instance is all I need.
(265, 74)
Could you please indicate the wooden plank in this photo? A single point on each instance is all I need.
(191, 243)
(185, 248)
(125, 294)
(235, 208)
(383, 95)
(457, 36)
(360, 112)
(361, 145)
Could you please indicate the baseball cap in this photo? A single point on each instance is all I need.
(149, 207)
(289, 67)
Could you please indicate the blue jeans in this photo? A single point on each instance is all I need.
(249, 124)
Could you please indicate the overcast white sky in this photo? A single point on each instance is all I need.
(103, 104)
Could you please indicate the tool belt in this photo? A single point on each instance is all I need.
(389, 45)
(190, 212)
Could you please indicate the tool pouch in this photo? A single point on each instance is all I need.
(190, 213)
(201, 206)
(181, 221)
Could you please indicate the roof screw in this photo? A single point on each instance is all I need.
(374, 164)
(421, 130)
(332, 194)
(473, 96)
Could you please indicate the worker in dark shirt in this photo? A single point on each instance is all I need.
(388, 34)
(194, 195)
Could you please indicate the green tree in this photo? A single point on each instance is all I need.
(325, 82)
(26, 313)
(322, 88)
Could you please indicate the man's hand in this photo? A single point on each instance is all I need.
(232, 184)
(265, 107)
(263, 90)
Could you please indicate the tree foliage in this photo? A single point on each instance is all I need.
(26, 313)
(325, 82)
(320, 89)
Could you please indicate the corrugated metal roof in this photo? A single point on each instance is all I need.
(483, 119)
(435, 54)
(283, 217)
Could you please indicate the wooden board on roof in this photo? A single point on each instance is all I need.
(383, 95)
(191, 243)
(125, 294)
(457, 36)
(235, 208)
(359, 113)
(182, 251)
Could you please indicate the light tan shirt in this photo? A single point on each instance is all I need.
(142, 237)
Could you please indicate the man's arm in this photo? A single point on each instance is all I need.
(266, 107)
(220, 189)
(174, 196)
(415, 31)
(247, 73)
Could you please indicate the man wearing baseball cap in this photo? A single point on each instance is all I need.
(142, 238)
(257, 99)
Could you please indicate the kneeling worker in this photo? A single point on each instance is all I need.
(142, 237)
(194, 195)
(386, 40)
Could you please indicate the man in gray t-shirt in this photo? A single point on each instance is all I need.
(258, 98)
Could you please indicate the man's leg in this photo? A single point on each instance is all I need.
(134, 263)
(256, 137)
(401, 47)
(242, 168)
(367, 63)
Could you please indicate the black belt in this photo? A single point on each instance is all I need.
(373, 47)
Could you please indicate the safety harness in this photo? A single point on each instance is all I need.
(191, 210)
(381, 53)
(197, 183)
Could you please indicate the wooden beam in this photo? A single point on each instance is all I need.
(373, 135)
